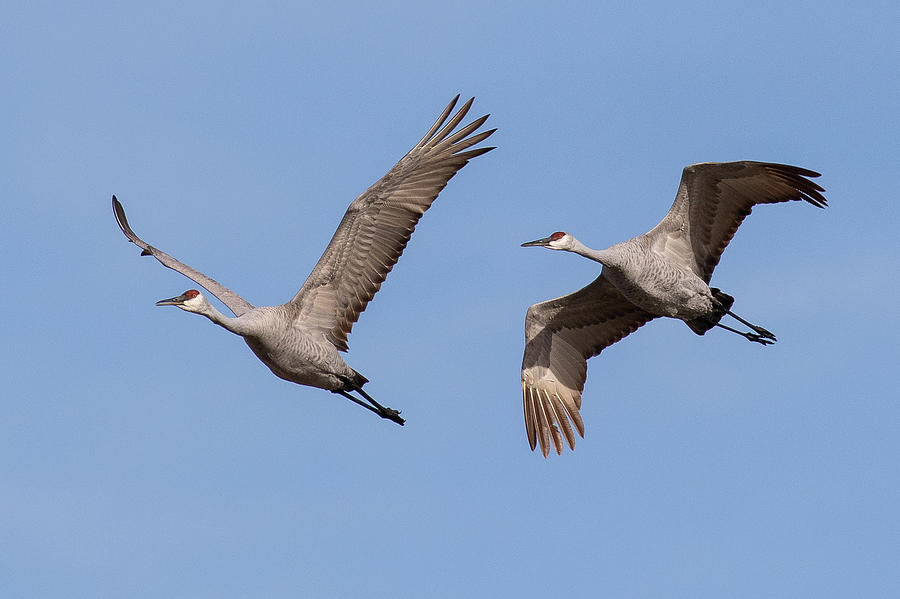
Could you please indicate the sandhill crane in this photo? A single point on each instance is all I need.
(664, 272)
(299, 341)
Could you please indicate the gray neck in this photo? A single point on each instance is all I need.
(235, 325)
(604, 257)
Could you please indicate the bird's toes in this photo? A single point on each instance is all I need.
(394, 415)
(765, 333)
(760, 339)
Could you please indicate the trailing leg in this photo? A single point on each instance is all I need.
(761, 331)
(388, 413)
(723, 303)
(749, 336)
(355, 400)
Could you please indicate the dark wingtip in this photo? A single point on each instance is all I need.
(121, 220)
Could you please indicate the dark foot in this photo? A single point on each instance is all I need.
(761, 335)
(392, 414)
(764, 340)
(764, 333)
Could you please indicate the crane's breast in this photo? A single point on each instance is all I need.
(301, 358)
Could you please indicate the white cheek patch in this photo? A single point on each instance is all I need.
(193, 304)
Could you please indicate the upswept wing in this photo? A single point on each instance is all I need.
(715, 197)
(560, 335)
(235, 303)
(378, 224)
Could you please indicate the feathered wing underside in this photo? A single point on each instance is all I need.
(378, 224)
(235, 303)
(714, 198)
(560, 335)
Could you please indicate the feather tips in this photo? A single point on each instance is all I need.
(560, 336)
(379, 223)
(714, 198)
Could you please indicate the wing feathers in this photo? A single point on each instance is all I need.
(477, 152)
(439, 121)
(462, 145)
(235, 303)
(379, 223)
(560, 336)
(530, 415)
(450, 126)
(713, 200)
(559, 413)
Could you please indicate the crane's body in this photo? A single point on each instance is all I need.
(297, 354)
(294, 353)
(662, 273)
(650, 279)
(300, 341)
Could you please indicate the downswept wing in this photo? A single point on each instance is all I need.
(235, 303)
(378, 224)
(715, 197)
(560, 335)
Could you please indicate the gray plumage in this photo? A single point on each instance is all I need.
(299, 341)
(664, 272)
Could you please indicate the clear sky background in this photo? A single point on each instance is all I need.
(145, 452)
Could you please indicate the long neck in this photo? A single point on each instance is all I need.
(605, 257)
(235, 325)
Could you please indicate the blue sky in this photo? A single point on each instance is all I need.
(146, 453)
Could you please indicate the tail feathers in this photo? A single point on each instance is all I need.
(705, 323)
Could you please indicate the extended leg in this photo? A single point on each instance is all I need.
(379, 409)
(762, 332)
(749, 336)
(389, 413)
(355, 400)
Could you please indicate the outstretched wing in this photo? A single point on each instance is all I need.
(715, 197)
(560, 335)
(235, 303)
(379, 223)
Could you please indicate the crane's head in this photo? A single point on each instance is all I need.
(557, 241)
(191, 301)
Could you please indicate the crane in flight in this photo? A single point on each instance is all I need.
(300, 340)
(665, 272)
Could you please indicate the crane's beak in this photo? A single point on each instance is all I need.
(541, 242)
(172, 301)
